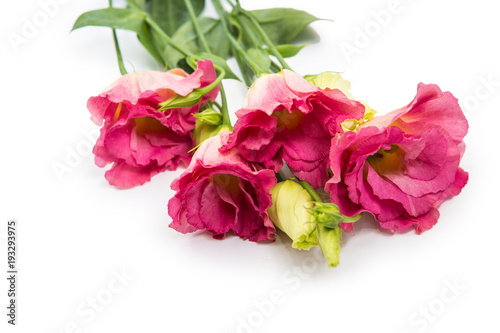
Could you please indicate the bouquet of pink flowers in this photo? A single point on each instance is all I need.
(304, 155)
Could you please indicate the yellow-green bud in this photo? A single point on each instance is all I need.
(332, 81)
(329, 242)
(307, 222)
(328, 215)
(289, 212)
(209, 117)
(179, 101)
(335, 81)
(202, 131)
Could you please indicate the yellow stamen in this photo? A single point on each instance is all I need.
(387, 161)
(287, 119)
(149, 125)
(117, 112)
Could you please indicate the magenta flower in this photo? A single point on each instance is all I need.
(286, 117)
(138, 138)
(401, 166)
(221, 191)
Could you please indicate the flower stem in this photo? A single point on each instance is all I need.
(123, 71)
(310, 190)
(264, 36)
(167, 38)
(225, 114)
(196, 26)
(234, 43)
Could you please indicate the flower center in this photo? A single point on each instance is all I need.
(387, 161)
(148, 125)
(228, 182)
(287, 119)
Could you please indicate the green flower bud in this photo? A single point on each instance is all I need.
(203, 131)
(332, 81)
(308, 222)
(335, 81)
(209, 117)
(328, 215)
(289, 213)
(179, 101)
(329, 241)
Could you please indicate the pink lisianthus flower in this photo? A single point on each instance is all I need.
(138, 138)
(221, 191)
(286, 117)
(401, 166)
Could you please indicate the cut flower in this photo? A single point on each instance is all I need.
(286, 117)
(138, 138)
(222, 192)
(401, 166)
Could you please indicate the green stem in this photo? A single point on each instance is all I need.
(167, 38)
(310, 190)
(123, 71)
(234, 44)
(225, 114)
(256, 43)
(266, 38)
(134, 5)
(196, 25)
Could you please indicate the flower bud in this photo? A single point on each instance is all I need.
(307, 222)
(289, 213)
(329, 241)
(328, 215)
(204, 131)
(335, 81)
(179, 101)
(209, 117)
(332, 81)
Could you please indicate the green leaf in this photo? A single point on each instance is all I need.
(172, 14)
(136, 3)
(128, 19)
(288, 50)
(117, 18)
(261, 57)
(186, 37)
(283, 24)
(147, 40)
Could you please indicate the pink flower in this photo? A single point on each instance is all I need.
(401, 166)
(221, 191)
(286, 117)
(138, 138)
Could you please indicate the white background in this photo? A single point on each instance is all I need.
(77, 232)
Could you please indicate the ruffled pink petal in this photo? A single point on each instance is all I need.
(123, 175)
(206, 204)
(117, 143)
(178, 215)
(218, 210)
(273, 91)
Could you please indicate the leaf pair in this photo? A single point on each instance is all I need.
(281, 25)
